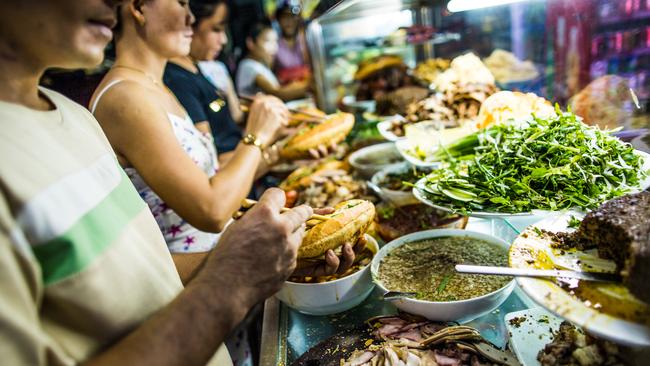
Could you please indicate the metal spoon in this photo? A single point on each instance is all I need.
(525, 272)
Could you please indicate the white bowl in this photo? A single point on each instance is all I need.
(368, 168)
(385, 128)
(399, 198)
(460, 311)
(330, 297)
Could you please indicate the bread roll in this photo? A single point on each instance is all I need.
(350, 220)
(333, 130)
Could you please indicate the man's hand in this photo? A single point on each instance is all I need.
(258, 252)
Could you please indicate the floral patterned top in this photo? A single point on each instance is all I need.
(181, 237)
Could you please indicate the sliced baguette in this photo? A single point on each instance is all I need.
(333, 130)
(350, 220)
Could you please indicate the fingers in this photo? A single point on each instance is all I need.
(348, 258)
(273, 199)
(297, 217)
(324, 210)
(314, 153)
(332, 263)
(323, 150)
(295, 240)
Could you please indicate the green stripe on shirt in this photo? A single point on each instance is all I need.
(71, 252)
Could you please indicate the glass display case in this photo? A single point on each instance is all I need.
(592, 56)
(598, 47)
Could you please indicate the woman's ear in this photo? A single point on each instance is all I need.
(135, 10)
(250, 44)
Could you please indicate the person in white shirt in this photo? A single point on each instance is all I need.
(254, 73)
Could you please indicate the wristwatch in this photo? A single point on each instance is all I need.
(251, 139)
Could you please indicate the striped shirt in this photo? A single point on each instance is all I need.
(82, 261)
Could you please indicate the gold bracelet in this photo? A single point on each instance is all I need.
(251, 139)
(267, 156)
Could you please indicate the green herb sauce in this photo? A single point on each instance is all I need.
(427, 268)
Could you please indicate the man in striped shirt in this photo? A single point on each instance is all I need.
(85, 275)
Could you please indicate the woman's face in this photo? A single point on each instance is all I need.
(210, 35)
(57, 33)
(266, 45)
(288, 24)
(168, 26)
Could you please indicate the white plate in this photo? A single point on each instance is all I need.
(385, 125)
(531, 335)
(526, 252)
(404, 147)
(419, 194)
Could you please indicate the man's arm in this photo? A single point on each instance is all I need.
(253, 259)
(186, 332)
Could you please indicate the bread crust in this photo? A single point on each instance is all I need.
(298, 118)
(333, 130)
(303, 176)
(370, 67)
(350, 221)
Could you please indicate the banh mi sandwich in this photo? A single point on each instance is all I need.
(304, 176)
(348, 224)
(308, 115)
(332, 131)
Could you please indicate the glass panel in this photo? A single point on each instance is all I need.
(591, 55)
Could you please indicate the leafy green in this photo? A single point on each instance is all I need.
(548, 164)
(443, 284)
(574, 222)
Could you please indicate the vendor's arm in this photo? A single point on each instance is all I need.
(139, 130)
(295, 90)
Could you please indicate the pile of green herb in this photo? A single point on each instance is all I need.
(546, 164)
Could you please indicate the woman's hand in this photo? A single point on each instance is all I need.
(267, 116)
(332, 264)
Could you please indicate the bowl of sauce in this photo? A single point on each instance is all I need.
(423, 263)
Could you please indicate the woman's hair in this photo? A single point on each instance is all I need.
(257, 29)
(204, 9)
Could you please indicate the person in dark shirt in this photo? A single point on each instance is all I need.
(206, 105)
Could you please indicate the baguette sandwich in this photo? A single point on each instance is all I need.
(347, 224)
(332, 131)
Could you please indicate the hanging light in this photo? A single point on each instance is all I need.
(456, 6)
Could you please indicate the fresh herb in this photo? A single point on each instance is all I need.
(574, 222)
(403, 180)
(548, 164)
(386, 213)
(443, 284)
